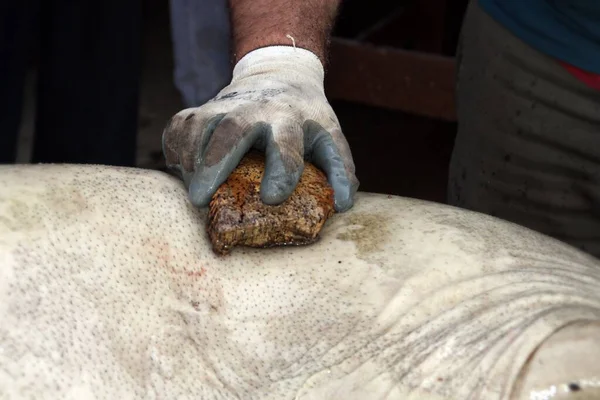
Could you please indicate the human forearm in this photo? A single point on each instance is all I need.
(306, 24)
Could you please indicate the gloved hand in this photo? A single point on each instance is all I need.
(275, 103)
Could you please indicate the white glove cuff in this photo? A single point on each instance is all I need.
(284, 60)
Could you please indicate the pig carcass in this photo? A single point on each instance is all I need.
(109, 290)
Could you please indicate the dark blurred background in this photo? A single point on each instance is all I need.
(390, 80)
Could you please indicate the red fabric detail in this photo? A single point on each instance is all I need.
(591, 79)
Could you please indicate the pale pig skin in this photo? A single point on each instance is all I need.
(109, 289)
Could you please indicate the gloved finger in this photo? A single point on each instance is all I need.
(185, 134)
(230, 141)
(284, 163)
(334, 158)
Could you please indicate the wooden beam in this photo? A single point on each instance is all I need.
(413, 82)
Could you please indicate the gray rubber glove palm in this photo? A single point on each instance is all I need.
(275, 103)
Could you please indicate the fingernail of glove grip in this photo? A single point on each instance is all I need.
(202, 189)
(343, 196)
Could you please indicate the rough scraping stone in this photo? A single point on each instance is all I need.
(238, 217)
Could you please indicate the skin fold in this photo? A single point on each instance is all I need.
(109, 289)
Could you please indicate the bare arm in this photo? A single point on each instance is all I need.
(261, 23)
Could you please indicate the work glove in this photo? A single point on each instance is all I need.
(275, 103)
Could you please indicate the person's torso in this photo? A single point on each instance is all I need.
(568, 30)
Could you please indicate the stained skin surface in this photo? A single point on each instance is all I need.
(109, 289)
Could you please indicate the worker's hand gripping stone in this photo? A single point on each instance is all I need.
(275, 103)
